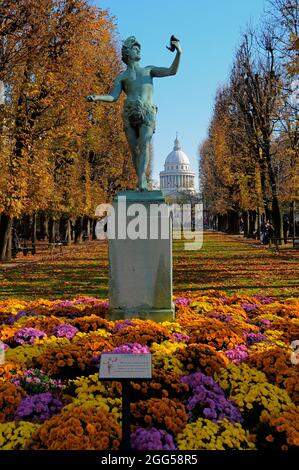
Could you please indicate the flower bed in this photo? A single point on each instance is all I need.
(223, 375)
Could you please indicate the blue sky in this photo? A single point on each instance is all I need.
(209, 32)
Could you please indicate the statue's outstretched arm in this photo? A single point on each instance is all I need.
(114, 95)
(172, 70)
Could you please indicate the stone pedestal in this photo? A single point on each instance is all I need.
(140, 269)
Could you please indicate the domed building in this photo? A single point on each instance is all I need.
(177, 175)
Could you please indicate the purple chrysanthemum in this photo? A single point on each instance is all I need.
(264, 324)
(263, 299)
(252, 338)
(183, 301)
(129, 348)
(87, 300)
(221, 317)
(208, 400)
(38, 408)
(237, 355)
(28, 335)
(64, 303)
(152, 439)
(65, 331)
(126, 348)
(93, 301)
(249, 307)
(76, 313)
(180, 337)
(123, 324)
(21, 313)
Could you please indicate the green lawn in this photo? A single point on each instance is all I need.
(231, 263)
(225, 263)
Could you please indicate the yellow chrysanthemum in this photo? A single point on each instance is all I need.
(206, 435)
(16, 436)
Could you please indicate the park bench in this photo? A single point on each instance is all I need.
(25, 249)
(57, 243)
(279, 241)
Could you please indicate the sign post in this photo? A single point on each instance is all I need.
(125, 367)
(126, 415)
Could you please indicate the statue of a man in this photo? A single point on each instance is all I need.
(139, 114)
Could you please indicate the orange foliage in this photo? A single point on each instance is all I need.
(90, 428)
(10, 397)
(201, 357)
(163, 384)
(71, 360)
(215, 333)
(147, 332)
(161, 413)
(276, 364)
(284, 430)
(91, 323)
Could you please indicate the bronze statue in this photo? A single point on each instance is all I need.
(139, 114)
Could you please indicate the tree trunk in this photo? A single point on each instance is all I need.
(245, 221)
(293, 221)
(94, 223)
(276, 218)
(276, 212)
(225, 222)
(44, 227)
(51, 230)
(86, 227)
(5, 234)
(222, 222)
(252, 222)
(72, 223)
(219, 222)
(233, 222)
(9, 245)
(78, 230)
(258, 225)
(68, 235)
(90, 228)
(44, 231)
(26, 226)
(63, 227)
(264, 184)
(267, 213)
(33, 233)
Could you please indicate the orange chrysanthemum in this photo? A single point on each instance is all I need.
(161, 413)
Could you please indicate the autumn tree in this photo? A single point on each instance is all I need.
(246, 152)
(18, 41)
(284, 14)
(60, 159)
(227, 167)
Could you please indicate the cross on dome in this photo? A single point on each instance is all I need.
(177, 145)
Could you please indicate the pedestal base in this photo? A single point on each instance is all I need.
(152, 314)
(140, 268)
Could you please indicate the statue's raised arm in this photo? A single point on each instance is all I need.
(172, 70)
